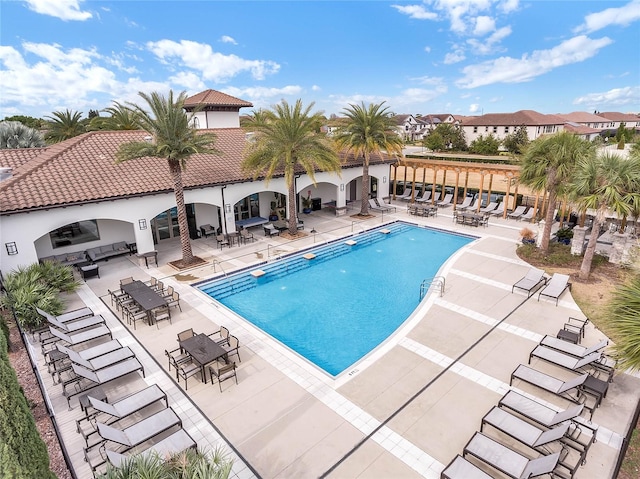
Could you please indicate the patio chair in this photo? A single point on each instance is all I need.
(128, 280)
(530, 282)
(161, 314)
(102, 376)
(77, 325)
(426, 196)
(207, 230)
(168, 293)
(75, 338)
(232, 347)
(176, 443)
(224, 372)
(522, 431)
(246, 235)
(68, 316)
(460, 468)
(176, 356)
(446, 201)
(185, 370)
(555, 287)
(186, 334)
(270, 230)
(576, 325)
(117, 297)
(575, 350)
(518, 212)
(590, 363)
(133, 313)
(141, 431)
(580, 434)
(499, 210)
(120, 408)
(224, 335)
(174, 300)
(528, 216)
(508, 461)
(222, 240)
(490, 207)
(467, 202)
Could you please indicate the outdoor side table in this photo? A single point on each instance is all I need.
(95, 393)
(568, 336)
(89, 271)
(148, 255)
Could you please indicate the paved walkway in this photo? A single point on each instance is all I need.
(405, 411)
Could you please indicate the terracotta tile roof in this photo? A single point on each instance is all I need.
(582, 117)
(15, 158)
(617, 116)
(215, 98)
(580, 129)
(83, 170)
(522, 117)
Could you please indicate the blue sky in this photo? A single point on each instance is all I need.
(431, 56)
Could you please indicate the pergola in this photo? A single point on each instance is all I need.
(461, 170)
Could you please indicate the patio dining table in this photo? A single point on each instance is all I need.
(144, 296)
(203, 350)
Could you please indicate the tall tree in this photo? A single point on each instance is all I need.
(607, 182)
(547, 165)
(62, 125)
(624, 311)
(366, 131)
(517, 141)
(173, 140)
(14, 134)
(288, 138)
(120, 118)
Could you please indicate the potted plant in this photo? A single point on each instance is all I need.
(528, 236)
(564, 235)
(307, 204)
(273, 215)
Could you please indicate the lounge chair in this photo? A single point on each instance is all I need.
(580, 434)
(472, 207)
(591, 363)
(446, 201)
(102, 376)
(406, 195)
(499, 210)
(94, 361)
(176, 443)
(68, 316)
(77, 325)
(575, 350)
(528, 216)
(426, 196)
(460, 468)
(380, 202)
(55, 357)
(508, 461)
(76, 338)
(530, 282)
(119, 409)
(563, 389)
(490, 207)
(518, 212)
(466, 203)
(140, 431)
(523, 431)
(555, 287)
(374, 206)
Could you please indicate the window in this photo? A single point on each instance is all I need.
(475, 129)
(486, 128)
(495, 129)
(75, 233)
(506, 129)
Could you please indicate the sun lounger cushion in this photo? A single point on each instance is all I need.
(537, 412)
(576, 350)
(130, 404)
(141, 431)
(460, 468)
(555, 287)
(68, 316)
(522, 430)
(531, 280)
(174, 444)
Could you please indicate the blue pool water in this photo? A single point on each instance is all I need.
(339, 306)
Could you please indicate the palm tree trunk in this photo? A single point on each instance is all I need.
(548, 219)
(364, 190)
(185, 240)
(587, 260)
(293, 213)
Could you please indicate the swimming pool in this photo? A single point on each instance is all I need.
(337, 307)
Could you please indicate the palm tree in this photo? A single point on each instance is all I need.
(289, 139)
(63, 125)
(624, 311)
(602, 183)
(548, 164)
(14, 134)
(121, 118)
(174, 140)
(367, 131)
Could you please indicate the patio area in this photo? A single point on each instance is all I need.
(405, 411)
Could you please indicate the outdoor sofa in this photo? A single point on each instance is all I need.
(68, 259)
(107, 251)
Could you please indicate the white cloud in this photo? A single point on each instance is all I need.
(427, 49)
(212, 65)
(316, 88)
(454, 57)
(508, 6)
(417, 12)
(488, 45)
(189, 80)
(474, 107)
(263, 96)
(623, 16)
(228, 39)
(62, 9)
(617, 96)
(514, 70)
(484, 25)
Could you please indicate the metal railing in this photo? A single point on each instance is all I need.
(437, 281)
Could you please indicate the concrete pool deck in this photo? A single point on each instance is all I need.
(406, 411)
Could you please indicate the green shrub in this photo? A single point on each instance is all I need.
(18, 431)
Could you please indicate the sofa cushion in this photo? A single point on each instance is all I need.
(108, 248)
(61, 257)
(121, 247)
